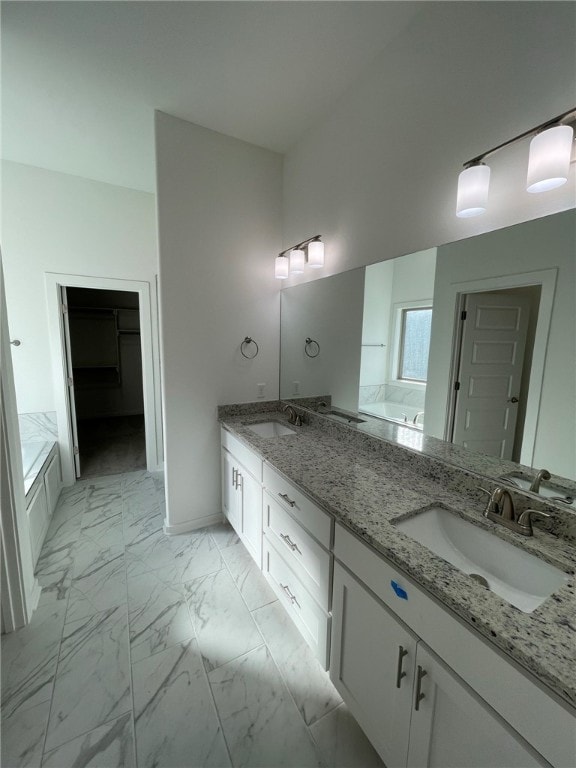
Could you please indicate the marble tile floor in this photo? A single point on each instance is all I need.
(161, 652)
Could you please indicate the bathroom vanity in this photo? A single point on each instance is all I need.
(437, 669)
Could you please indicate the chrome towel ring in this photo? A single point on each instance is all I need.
(312, 348)
(244, 346)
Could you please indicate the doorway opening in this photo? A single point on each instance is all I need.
(102, 334)
(492, 369)
(57, 288)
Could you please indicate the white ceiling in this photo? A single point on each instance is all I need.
(80, 80)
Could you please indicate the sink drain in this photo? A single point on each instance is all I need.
(479, 579)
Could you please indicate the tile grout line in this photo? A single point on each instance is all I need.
(43, 755)
(290, 694)
(134, 745)
(276, 664)
(206, 674)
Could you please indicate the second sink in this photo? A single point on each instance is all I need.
(515, 575)
(271, 429)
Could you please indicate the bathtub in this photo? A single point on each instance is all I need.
(42, 485)
(398, 412)
(34, 454)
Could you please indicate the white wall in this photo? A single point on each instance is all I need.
(378, 281)
(53, 222)
(377, 178)
(219, 219)
(330, 312)
(537, 245)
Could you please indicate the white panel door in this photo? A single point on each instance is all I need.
(490, 373)
(454, 728)
(70, 381)
(372, 665)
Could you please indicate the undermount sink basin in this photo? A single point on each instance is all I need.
(515, 575)
(271, 429)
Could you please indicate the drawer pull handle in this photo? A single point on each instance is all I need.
(419, 695)
(234, 471)
(287, 499)
(401, 593)
(291, 597)
(399, 673)
(288, 541)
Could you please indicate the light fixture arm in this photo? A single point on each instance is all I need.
(303, 244)
(532, 132)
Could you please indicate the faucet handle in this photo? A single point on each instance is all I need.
(525, 518)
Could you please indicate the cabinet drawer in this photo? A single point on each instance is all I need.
(314, 519)
(307, 558)
(311, 620)
(251, 461)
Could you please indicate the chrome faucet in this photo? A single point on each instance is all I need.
(543, 474)
(293, 417)
(415, 419)
(500, 509)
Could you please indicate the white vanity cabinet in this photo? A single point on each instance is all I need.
(413, 708)
(297, 559)
(437, 717)
(454, 728)
(242, 493)
(372, 665)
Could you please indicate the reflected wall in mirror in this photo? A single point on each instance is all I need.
(398, 307)
(502, 381)
(330, 312)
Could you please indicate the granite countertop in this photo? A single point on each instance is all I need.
(367, 488)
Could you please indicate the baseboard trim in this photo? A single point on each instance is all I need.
(191, 525)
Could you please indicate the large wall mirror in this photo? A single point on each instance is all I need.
(473, 342)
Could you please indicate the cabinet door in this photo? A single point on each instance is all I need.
(251, 502)
(372, 666)
(230, 495)
(454, 728)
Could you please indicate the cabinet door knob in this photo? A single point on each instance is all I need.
(419, 695)
(513, 400)
(287, 499)
(399, 673)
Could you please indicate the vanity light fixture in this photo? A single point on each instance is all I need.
(293, 260)
(548, 164)
(297, 261)
(281, 267)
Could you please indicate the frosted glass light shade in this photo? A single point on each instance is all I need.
(281, 267)
(472, 198)
(296, 261)
(316, 254)
(549, 159)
